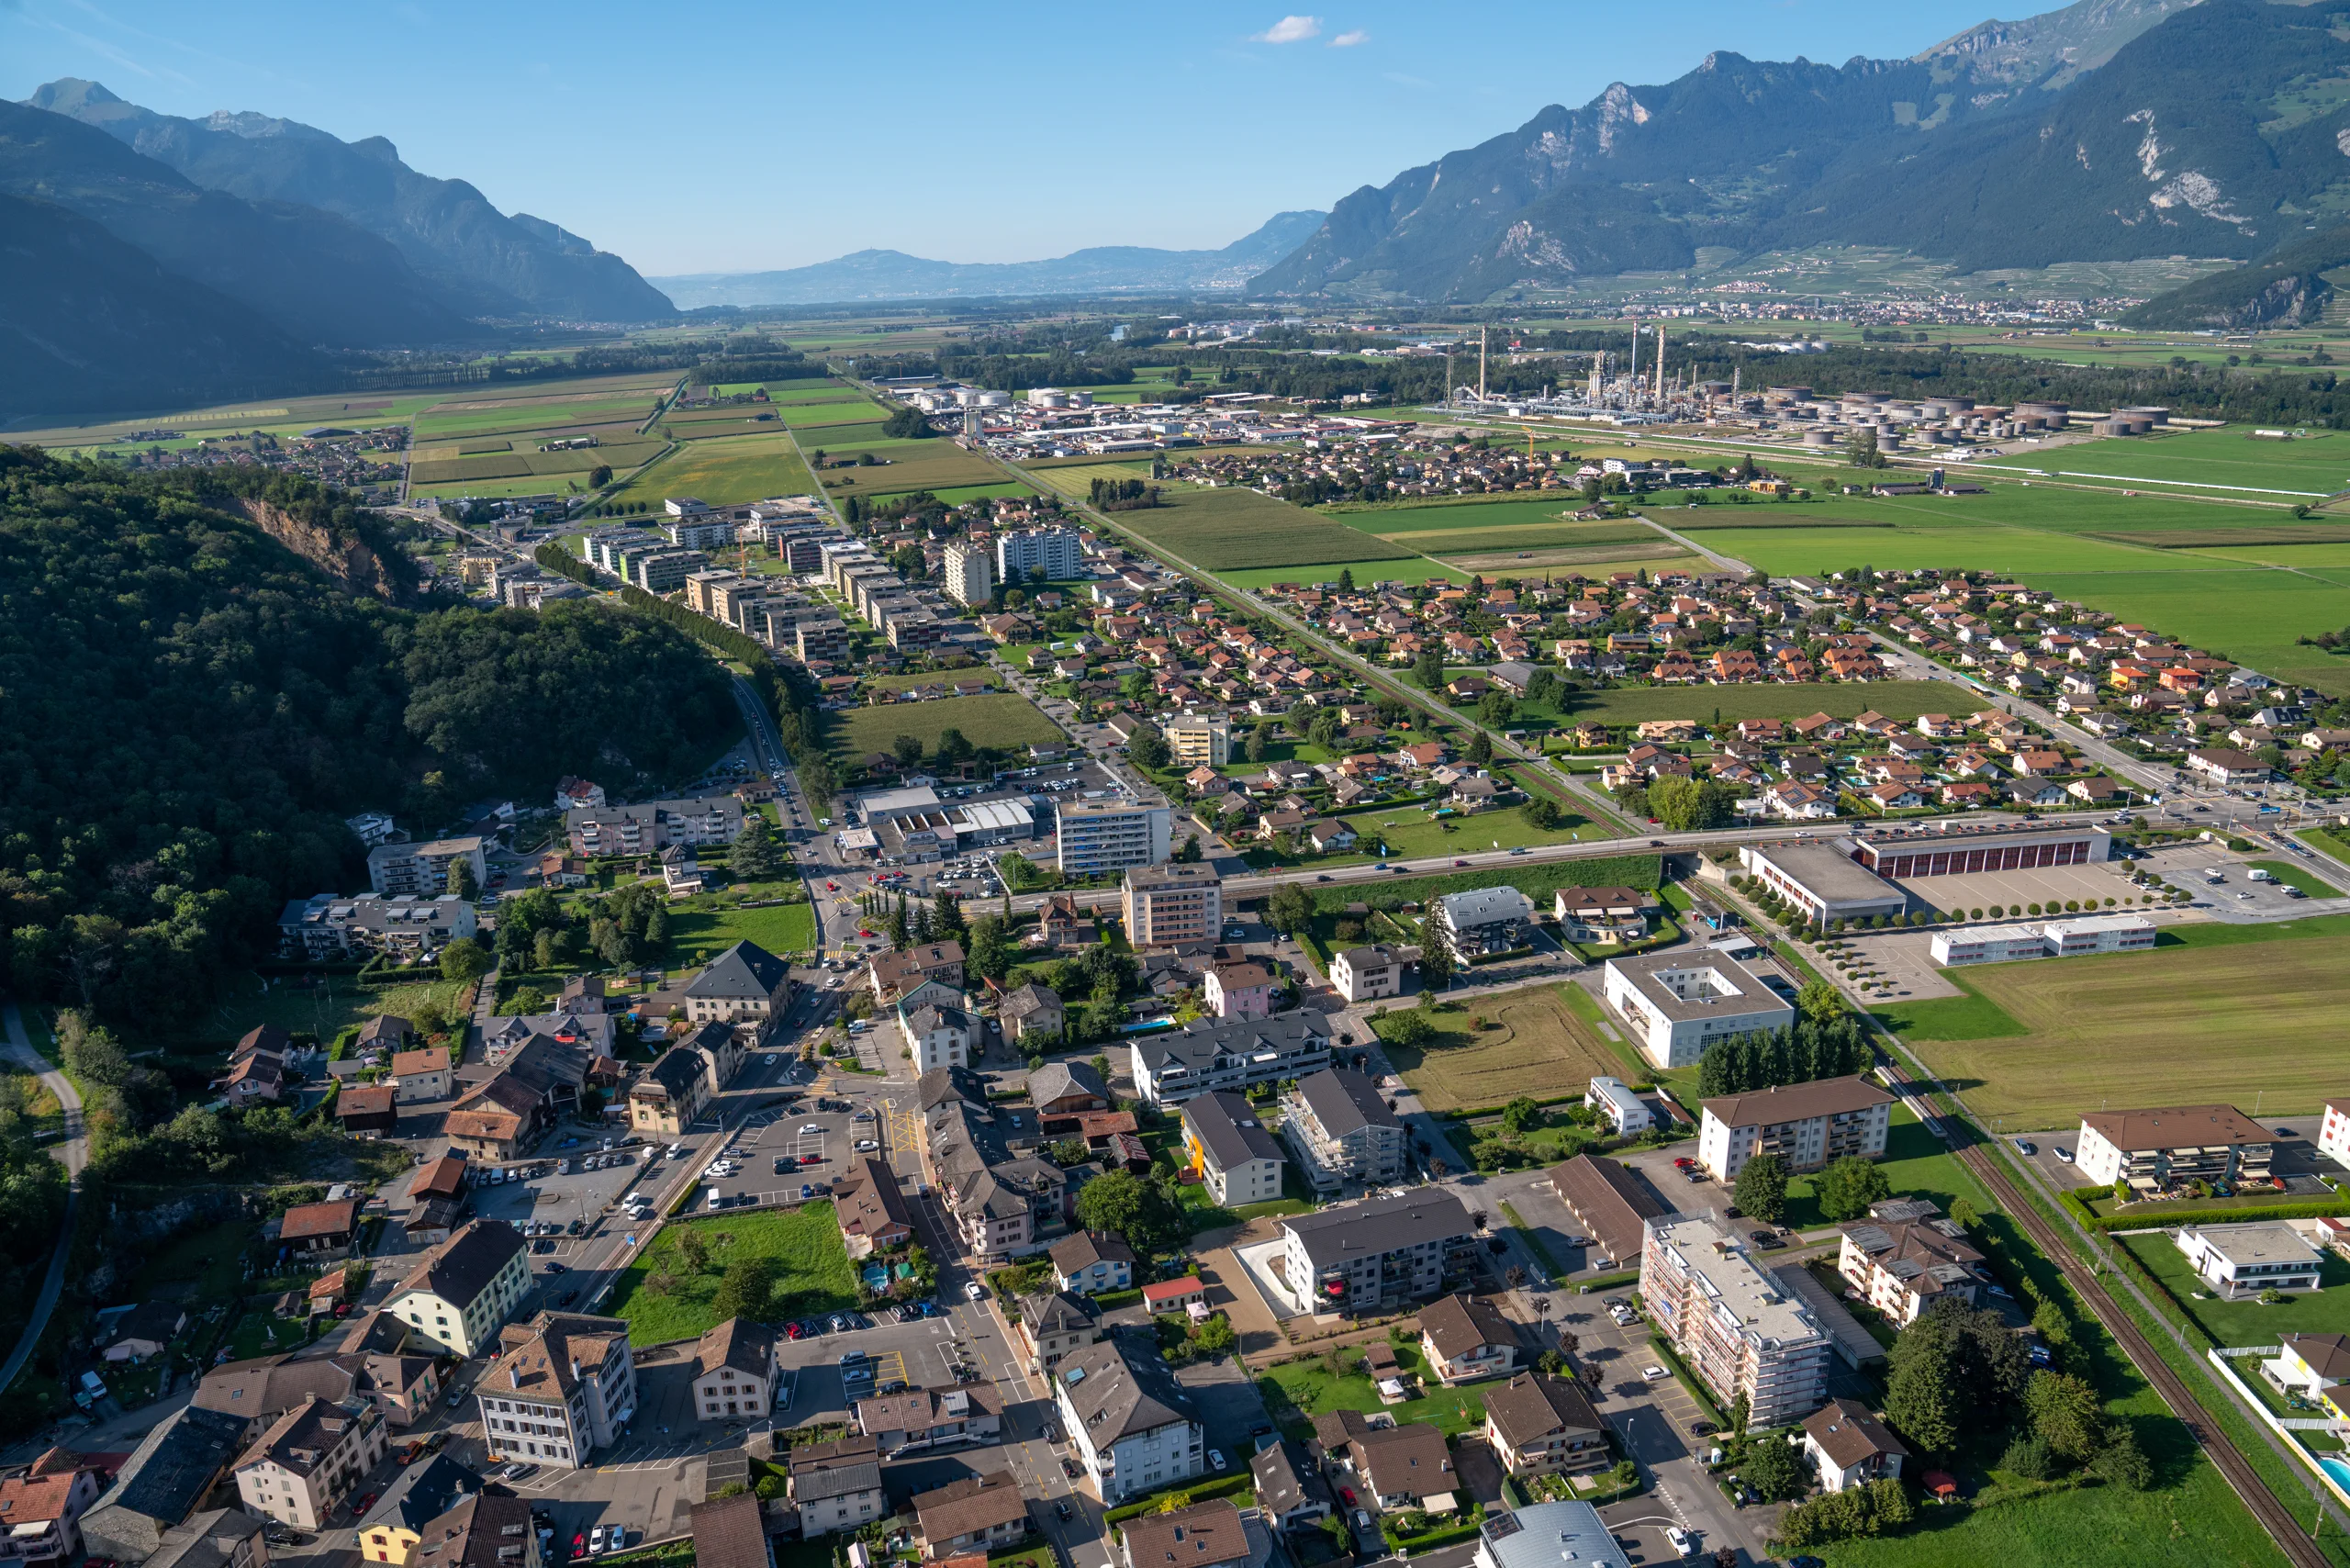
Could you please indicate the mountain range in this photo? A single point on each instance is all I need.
(1102, 269)
(154, 259)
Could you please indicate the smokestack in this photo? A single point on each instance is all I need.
(1660, 362)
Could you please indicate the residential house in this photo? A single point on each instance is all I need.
(41, 1510)
(1240, 990)
(2158, 1151)
(1133, 1427)
(488, 1529)
(1391, 1467)
(1605, 917)
(915, 1419)
(871, 1208)
(1054, 1323)
(563, 1387)
(745, 985)
(1032, 1013)
(1087, 1262)
(319, 1230)
(1540, 1424)
(730, 1532)
(422, 1074)
(736, 1372)
(1807, 1126)
(837, 1485)
(976, 1515)
(937, 1033)
(1849, 1447)
(668, 1099)
(1482, 921)
(1903, 1268)
(2250, 1260)
(147, 1329)
(1205, 1534)
(425, 1489)
(1369, 973)
(315, 1456)
(1289, 1487)
(1465, 1338)
(899, 971)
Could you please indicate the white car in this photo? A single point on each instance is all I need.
(2064, 1155)
(866, 1146)
(1653, 1372)
(974, 1291)
(813, 1128)
(1215, 1459)
(1680, 1539)
(597, 1538)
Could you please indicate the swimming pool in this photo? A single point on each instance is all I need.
(2337, 1472)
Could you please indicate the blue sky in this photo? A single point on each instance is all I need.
(714, 136)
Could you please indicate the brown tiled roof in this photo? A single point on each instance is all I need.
(1795, 1102)
(1458, 1324)
(2176, 1127)
(365, 1099)
(1412, 1457)
(442, 1178)
(319, 1219)
(1531, 1407)
(431, 1058)
(1604, 1195)
(1189, 1538)
(974, 1503)
(869, 1201)
(746, 1347)
(1848, 1434)
(728, 1533)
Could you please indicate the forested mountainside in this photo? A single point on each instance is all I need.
(193, 710)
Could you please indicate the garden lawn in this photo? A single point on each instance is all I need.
(1895, 698)
(1916, 1164)
(1003, 720)
(2323, 1311)
(815, 1277)
(1412, 834)
(1972, 1017)
(1530, 1037)
(2235, 1006)
(1296, 1391)
(212, 1258)
(337, 1002)
(2292, 876)
(697, 935)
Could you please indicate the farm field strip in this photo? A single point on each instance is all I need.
(1902, 699)
(1231, 528)
(724, 473)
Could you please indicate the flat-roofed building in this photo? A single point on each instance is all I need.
(1677, 1003)
(1342, 1131)
(2156, 1151)
(1482, 922)
(2015, 943)
(1197, 740)
(423, 869)
(1097, 836)
(1541, 1535)
(1951, 848)
(1228, 1145)
(1805, 1124)
(971, 573)
(1172, 905)
(2251, 1258)
(1626, 1112)
(1732, 1323)
(1039, 554)
(1822, 880)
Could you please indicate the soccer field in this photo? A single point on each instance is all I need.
(2230, 1013)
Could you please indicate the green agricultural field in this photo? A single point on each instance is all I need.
(2230, 460)
(2231, 1011)
(336, 1003)
(1593, 561)
(998, 719)
(2253, 616)
(724, 473)
(1076, 479)
(1902, 699)
(446, 420)
(714, 430)
(1233, 529)
(905, 464)
(1389, 520)
(815, 1275)
(807, 416)
(955, 495)
(1416, 569)
(817, 392)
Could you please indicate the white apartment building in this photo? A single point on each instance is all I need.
(1172, 905)
(299, 1471)
(458, 1298)
(1734, 1325)
(423, 869)
(1677, 1003)
(1197, 740)
(1805, 1124)
(1342, 1130)
(2157, 1150)
(971, 573)
(1133, 1425)
(1056, 552)
(1210, 1053)
(1238, 1159)
(561, 1389)
(2248, 1260)
(1626, 1112)
(1368, 973)
(1110, 836)
(2333, 1132)
(938, 1033)
(736, 1372)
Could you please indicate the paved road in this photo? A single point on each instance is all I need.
(74, 1152)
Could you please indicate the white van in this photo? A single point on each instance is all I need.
(2258, 875)
(710, 1199)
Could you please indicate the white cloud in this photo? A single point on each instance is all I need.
(1291, 29)
(1348, 40)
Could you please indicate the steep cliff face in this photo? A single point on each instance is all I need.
(344, 551)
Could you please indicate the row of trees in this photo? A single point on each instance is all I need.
(1808, 1049)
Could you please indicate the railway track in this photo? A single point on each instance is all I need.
(2274, 1517)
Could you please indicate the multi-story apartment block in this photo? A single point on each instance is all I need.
(1377, 1254)
(1735, 1325)
(421, 870)
(1805, 1124)
(561, 1389)
(1097, 837)
(1482, 921)
(323, 928)
(1134, 1427)
(1903, 1267)
(666, 571)
(822, 637)
(1342, 1131)
(652, 826)
(746, 984)
(1172, 905)
(1677, 1003)
(700, 531)
(1225, 1143)
(2157, 1150)
(302, 1467)
(1055, 553)
(1197, 740)
(1054, 1323)
(1208, 1055)
(971, 573)
(459, 1296)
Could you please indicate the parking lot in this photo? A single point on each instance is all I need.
(557, 1198)
(814, 1147)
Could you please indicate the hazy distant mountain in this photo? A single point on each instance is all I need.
(2109, 130)
(480, 261)
(319, 278)
(1105, 269)
(89, 321)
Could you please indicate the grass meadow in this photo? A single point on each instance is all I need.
(2214, 1013)
(999, 719)
(1530, 1037)
(2230, 460)
(816, 1274)
(1895, 698)
(724, 473)
(1234, 529)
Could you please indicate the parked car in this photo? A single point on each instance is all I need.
(1653, 1372)
(1216, 1461)
(974, 1291)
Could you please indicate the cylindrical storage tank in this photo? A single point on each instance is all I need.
(2055, 412)
(1820, 438)
(1080, 399)
(1047, 397)
(994, 399)
(1788, 394)
(1713, 389)
(2153, 416)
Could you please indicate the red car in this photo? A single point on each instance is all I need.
(579, 1544)
(1348, 1493)
(1683, 1162)
(791, 1331)
(1461, 862)
(831, 886)
(867, 935)
(367, 1501)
